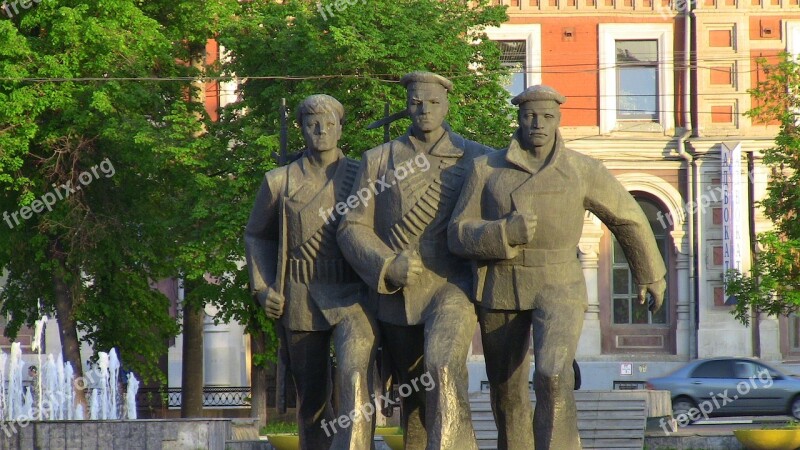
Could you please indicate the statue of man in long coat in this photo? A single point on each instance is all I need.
(520, 217)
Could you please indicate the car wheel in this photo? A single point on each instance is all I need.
(681, 407)
(794, 409)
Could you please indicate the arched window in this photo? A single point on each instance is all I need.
(626, 308)
(627, 326)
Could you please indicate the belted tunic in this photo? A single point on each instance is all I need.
(319, 283)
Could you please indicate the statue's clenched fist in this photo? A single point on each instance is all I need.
(656, 291)
(404, 268)
(520, 227)
(272, 302)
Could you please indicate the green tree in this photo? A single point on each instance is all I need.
(88, 84)
(773, 284)
(358, 54)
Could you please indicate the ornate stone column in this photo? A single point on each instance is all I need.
(589, 345)
(684, 329)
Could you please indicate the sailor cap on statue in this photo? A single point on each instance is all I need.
(539, 92)
(426, 77)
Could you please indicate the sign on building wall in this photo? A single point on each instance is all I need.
(731, 155)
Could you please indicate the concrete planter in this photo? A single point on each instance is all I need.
(384, 431)
(284, 441)
(779, 439)
(394, 441)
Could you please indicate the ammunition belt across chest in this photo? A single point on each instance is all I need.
(431, 213)
(322, 243)
(335, 270)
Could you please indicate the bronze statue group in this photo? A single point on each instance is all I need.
(481, 235)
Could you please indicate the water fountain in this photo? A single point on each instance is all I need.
(53, 395)
(45, 414)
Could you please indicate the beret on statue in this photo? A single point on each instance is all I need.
(426, 77)
(539, 92)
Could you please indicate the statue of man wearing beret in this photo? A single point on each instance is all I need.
(519, 218)
(397, 243)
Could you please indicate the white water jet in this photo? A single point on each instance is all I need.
(102, 362)
(130, 398)
(3, 392)
(36, 346)
(49, 376)
(68, 393)
(94, 412)
(15, 393)
(113, 384)
(53, 395)
(78, 415)
(27, 405)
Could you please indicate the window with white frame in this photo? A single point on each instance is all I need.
(794, 332)
(793, 37)
(636, 77)
(637, 80)
(513, 57)
(521, 52)
(793, 47)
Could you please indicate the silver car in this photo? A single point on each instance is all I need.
(729, 387)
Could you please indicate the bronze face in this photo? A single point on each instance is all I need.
(427, 105)
(538, 122)
(321, 131)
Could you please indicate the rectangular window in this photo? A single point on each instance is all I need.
(794, 332)
(637, 80)
(513, 57)
(636, 77)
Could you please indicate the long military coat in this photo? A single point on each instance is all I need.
(545, 269)
(410, 210)
(319, 283)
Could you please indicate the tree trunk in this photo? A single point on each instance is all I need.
(192, 373)
(258, 374)
(68, 326)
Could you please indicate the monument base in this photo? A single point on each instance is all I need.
(179, 434)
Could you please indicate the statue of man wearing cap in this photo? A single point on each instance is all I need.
(398, 244)
(519, 218)
(301, 279)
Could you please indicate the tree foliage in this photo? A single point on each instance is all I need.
(78, 86)
(773, 285)
(358, 54)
